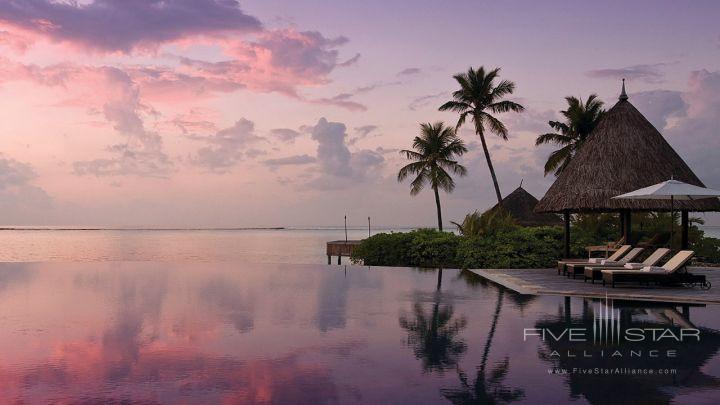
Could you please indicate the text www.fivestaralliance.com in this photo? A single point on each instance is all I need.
(614, 371)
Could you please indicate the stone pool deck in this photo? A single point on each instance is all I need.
(548, 282)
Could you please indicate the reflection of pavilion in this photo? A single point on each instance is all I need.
(628, 388)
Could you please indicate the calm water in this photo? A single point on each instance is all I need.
(214, 332)
(248, 246)
(713, 231)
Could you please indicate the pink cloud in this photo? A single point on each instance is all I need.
(111, 93)
(15, 41)
(276, 61)
(125, 25)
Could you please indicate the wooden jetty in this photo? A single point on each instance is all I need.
(340, 248)
(548, 282)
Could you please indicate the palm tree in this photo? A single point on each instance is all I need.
(434, 153)
(580, 119)
(478, 95)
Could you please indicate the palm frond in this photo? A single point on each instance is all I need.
(505, 106)
(461, 120)
(553, 138)
(455, 106)
(496, 126)
(558, 160)
(503, 88)
(411, 168)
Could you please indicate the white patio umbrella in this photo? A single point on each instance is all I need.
(670, 190)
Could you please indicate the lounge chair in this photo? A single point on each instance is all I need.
(575, 269)
(672, 272)
(562, 264)
(593, 273)
(606, 248)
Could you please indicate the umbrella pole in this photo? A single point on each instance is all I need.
(672, 219)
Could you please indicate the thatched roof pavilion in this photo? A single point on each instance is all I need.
(623, 153)
(521, 204)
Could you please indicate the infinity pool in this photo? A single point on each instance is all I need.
(238, 333)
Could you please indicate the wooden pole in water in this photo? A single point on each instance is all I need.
(368, 227)
(345, 228)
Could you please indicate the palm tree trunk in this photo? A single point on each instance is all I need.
(488, 342)
(439, 211)
(490, 166)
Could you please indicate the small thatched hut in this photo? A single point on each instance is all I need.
(623, 153)
(521, 205)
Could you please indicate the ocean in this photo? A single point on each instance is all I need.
(301, 246)
(712, 231)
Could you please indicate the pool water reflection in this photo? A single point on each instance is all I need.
(238, 333)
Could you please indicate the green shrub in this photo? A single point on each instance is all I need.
(707, 250)
(515, 247)
(384, 249)
(511, 247)
(431, 248)
(420, 248)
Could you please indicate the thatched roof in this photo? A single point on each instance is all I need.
(521, 204)
(622, 154)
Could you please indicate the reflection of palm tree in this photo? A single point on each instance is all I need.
(486, 389)
(434, 337)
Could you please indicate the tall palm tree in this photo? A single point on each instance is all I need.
(434, 155)
(478, 97)
(580, 119)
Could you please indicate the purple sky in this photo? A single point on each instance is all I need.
(263, 113)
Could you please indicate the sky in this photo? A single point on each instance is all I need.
(219, 113)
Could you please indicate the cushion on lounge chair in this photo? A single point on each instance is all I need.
(630, 256)
(678, 261)
(634, 266)
(654, 258)
(595, 260)
(622, 250)
(653, 269)
(610, 262)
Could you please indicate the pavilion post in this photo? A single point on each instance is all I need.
(627, 231)
(622, 223)
(685, 225)
(566, 239)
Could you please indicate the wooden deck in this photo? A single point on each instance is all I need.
(548, 282)
(340, 248)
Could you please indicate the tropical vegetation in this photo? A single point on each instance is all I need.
(580, 119)
(479, 98)
(487, 223)
(433, 155)
(514, 246)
